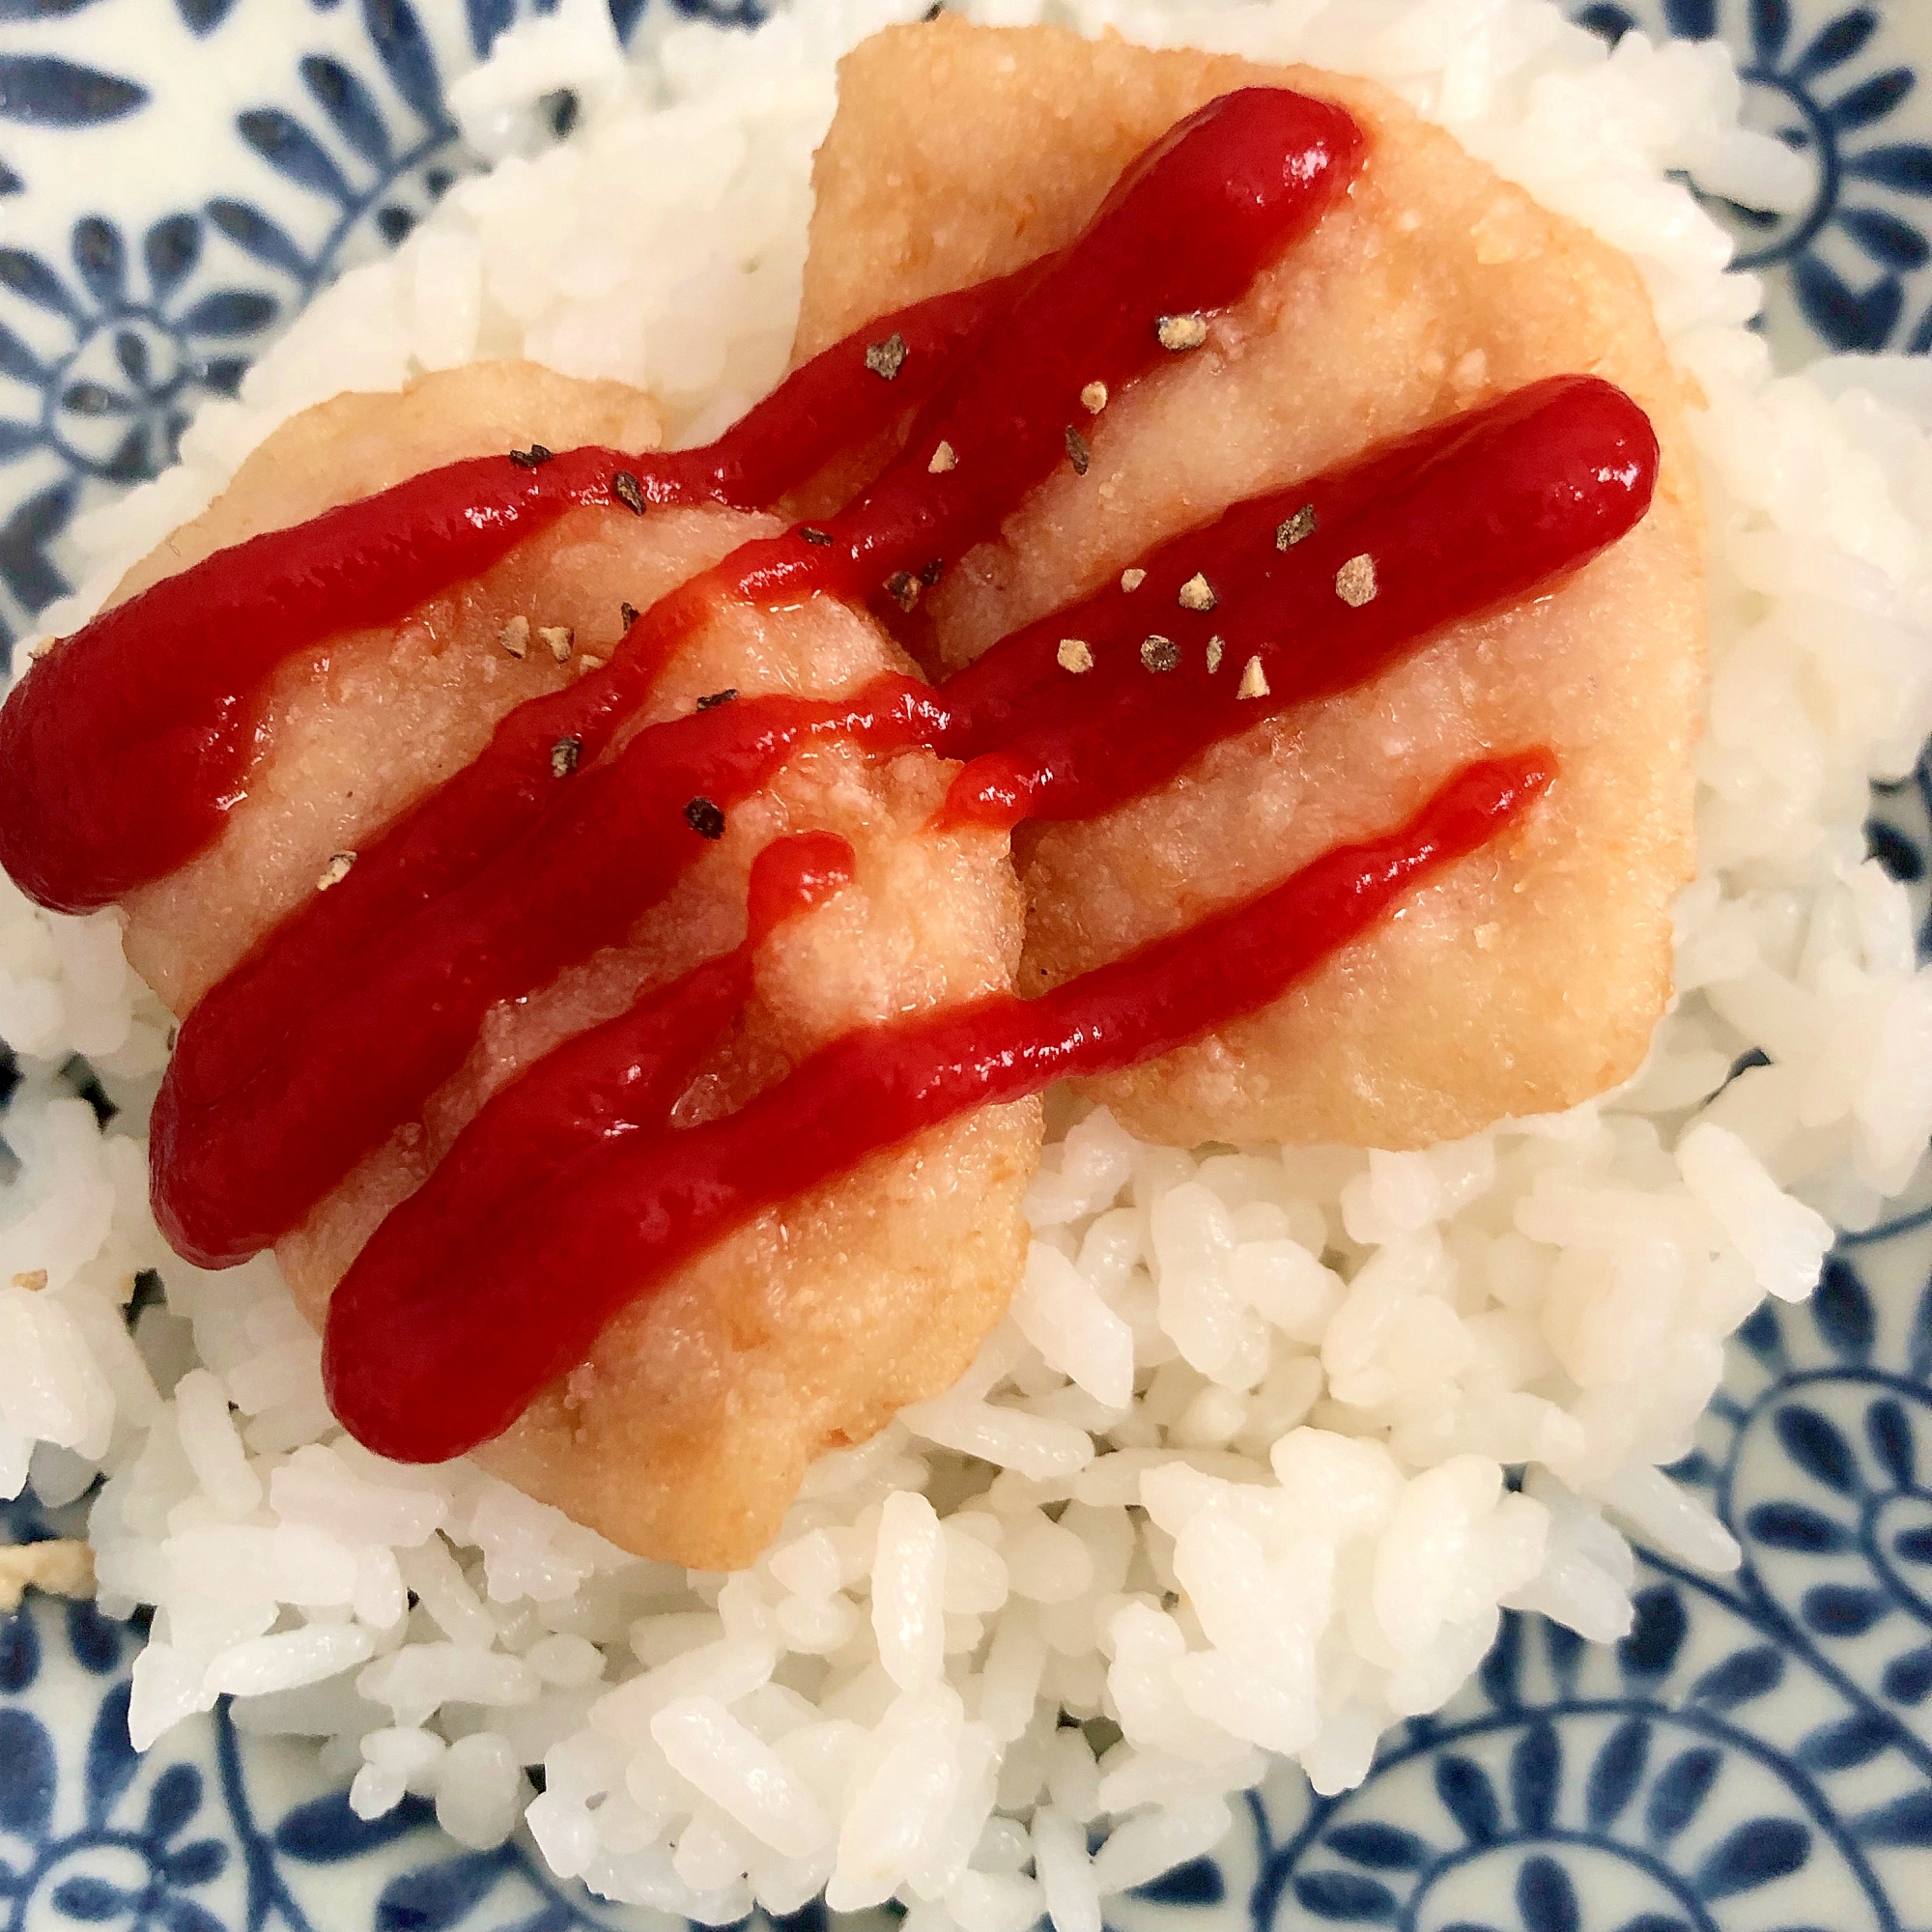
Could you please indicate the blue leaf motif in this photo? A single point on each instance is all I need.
(1692, 20)
(32, 280)
(1843, 1310)
(1908, 1678)
(1846, 1742)
(229, 312)
(1813, 1442)
(1894, 851)
(1680, 1792)
(39, 10)
(1565, 1649)
(1762, 1336)
(1791, 1526)
(1342, 1895)
(1381, 1846)
(203, 16)
(1536, 1775)
(1842, 1609)
(1546, 1897)
(1914, 1546)
(1617, 1773)
(1197, 1882)
(294, 153)
(326, 1831)
(487, 19)
(224, 373)
(174, 1799)
(1888, 1431)
(1847, 319)
(102, 260)
(184, 1914)
(1904, 165)
(1905, 1821)
(1892, 243)
(27, 1774)
(1771, 28)
(197, 1864)
(97, 1641)
(1469, 1798)
(1870, 101)
(92, 1899)
(19, 1641)
(406, 54)
(265, 240)
(9, 181)
(434, 1896)
(350, 105)
(625, 14)
(1751, 1856)
(111, 1761)
(1918, 1348)
(1502, 1666)
(1836, 43)
(1657, 1632)
(171, 248)
(1653, 1921)
(23, 538)
(1742, 1676)
(40, 91)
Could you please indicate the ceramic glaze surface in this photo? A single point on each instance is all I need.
(176, 176)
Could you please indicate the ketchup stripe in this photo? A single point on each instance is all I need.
(253, 1127)
(122, 751)
(623, 1077)
(235, 1169)
(429, 1352)
(1464, 516)
(570, 1191)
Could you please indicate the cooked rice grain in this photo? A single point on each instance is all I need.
(1230, 1479)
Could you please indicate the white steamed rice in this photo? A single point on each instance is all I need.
(1231, 1478)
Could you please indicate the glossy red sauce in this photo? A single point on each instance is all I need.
(424, 1362)
(569, 1193)
(254, 1124)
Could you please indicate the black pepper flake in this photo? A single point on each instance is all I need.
(902, 587)
(1292, 529)
(704, 818)
(563, 757)
(885, 358)
(1077, 452)
(529, 459)
(930, 573)
(1159, 653)
(629, 492)
(934, 11)
(629, 613)
(813, 535)
(717, 699)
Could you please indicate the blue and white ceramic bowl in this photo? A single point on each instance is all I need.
(176, 176)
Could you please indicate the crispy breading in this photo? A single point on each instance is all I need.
(1530, 975)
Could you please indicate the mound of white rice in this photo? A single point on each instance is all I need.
(1235, 1476)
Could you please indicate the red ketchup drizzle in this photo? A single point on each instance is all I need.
(123, 750)
(569, 1193)
(121, 754)
(431, 1350)
(1467, 514)
(254, 1125)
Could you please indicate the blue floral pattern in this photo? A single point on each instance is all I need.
(1758, 1752)
(1836, 87)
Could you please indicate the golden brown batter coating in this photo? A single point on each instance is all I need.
(1521, 980)
(685, 1431)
